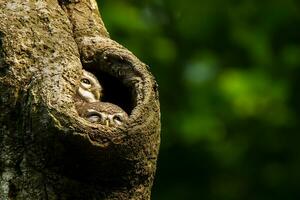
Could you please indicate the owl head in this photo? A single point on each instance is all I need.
(89, 88)
(104, 113)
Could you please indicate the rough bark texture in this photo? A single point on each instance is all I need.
(47, 150)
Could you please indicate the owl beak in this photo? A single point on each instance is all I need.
(107, 122)
(97, 93)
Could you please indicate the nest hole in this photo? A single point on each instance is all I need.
(115, 91)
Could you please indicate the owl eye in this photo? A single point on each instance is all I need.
(94, 116)
(85, 81)
(117, 119)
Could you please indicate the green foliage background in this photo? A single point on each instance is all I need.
(228, 74)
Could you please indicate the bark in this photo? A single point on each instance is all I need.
(46, 150)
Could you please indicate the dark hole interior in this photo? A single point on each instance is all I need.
(114, 91)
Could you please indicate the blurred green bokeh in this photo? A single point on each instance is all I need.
(228, 73)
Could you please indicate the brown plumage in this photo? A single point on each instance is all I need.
(104, 113)
(89, 89)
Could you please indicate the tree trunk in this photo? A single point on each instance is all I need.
(47, 150)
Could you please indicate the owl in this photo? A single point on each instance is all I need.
(104, 113)
(89, 89)
(89, 106)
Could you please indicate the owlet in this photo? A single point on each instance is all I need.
(89, 89)
(104, 113)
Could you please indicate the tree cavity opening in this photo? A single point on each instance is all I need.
(114, 90)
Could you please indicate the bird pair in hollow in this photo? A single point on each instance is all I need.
(89, 105)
